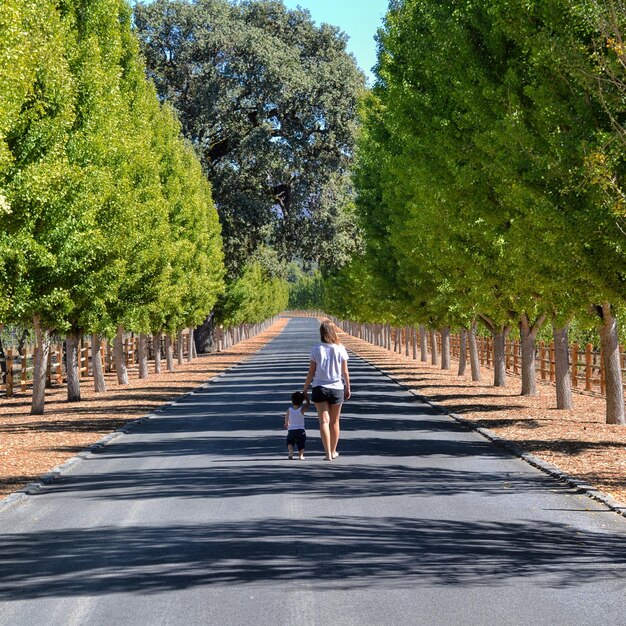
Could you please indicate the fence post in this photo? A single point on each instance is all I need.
(23, 362)
(515, 357)
(48, 368)
(10, 373)
(588, 367)
(574, 360)
(59, 374)
(552, 363)
(542, 359)
(84, 361)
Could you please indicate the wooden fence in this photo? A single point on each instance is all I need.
(17, 368)
(586, 367)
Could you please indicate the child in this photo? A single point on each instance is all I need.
(294, 423)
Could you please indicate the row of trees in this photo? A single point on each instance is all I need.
(106, 219)
(269, 100)
(490, 177)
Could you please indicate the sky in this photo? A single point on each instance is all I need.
(359, 19)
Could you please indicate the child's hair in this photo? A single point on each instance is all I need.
(328, 334)
(297, 398)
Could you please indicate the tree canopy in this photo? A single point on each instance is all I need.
(489, 168)
(106, 219)
(269, 100)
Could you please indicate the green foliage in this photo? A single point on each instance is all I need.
(475, 175)
(269, 100)
(253, 297)
(105, 215)
(306, 290)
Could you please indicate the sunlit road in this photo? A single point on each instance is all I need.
(197, 517)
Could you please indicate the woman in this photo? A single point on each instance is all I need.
(329, 363)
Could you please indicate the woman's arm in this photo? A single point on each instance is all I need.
(309, 377)
(346, 379)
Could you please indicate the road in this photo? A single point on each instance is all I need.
(197, 517)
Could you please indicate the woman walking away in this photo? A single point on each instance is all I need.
(329, 364)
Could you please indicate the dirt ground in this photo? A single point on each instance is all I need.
(576, 441)
(30, 445)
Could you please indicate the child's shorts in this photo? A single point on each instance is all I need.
(296, 437)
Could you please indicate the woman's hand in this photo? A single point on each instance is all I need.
(346, 393)
(309, 377)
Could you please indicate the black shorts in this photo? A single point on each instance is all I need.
(324, 394)
(296, 437)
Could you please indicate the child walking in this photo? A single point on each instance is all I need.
(294, 423)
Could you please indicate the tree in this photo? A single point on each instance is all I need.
(36, 177)
(482, 192)
(268, 99)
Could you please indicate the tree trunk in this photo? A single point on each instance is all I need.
(561, 366)
(118, 355)
(190, 345)
(72, 366)
(528, 336)
(609, 342)
(41, 362)
(99, 384)
(181, 356)
(414, 342)
(434, 351)
(423, 344)
(157, 352)
(499, 356)
(143, 355)
(204, 336)
(169, 353)
(473, 351)
(3, 361)
(445, 348)
(462, 352)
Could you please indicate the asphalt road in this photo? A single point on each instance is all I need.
(197, 517)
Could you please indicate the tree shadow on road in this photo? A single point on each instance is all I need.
(310, 479)
(346, 552)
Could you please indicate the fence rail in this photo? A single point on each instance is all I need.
(17, 368)
(586, 366)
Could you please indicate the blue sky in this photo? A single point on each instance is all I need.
(359, 19)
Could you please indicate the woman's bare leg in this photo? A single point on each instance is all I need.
(334, 414)
(323, 413)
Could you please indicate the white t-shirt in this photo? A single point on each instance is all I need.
(296, 419)
(328, 358)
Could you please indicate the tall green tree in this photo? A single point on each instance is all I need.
(482, 191)
(38, 181)
(268, 99)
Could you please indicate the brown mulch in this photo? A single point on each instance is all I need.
(30, 445)
(576, 441)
